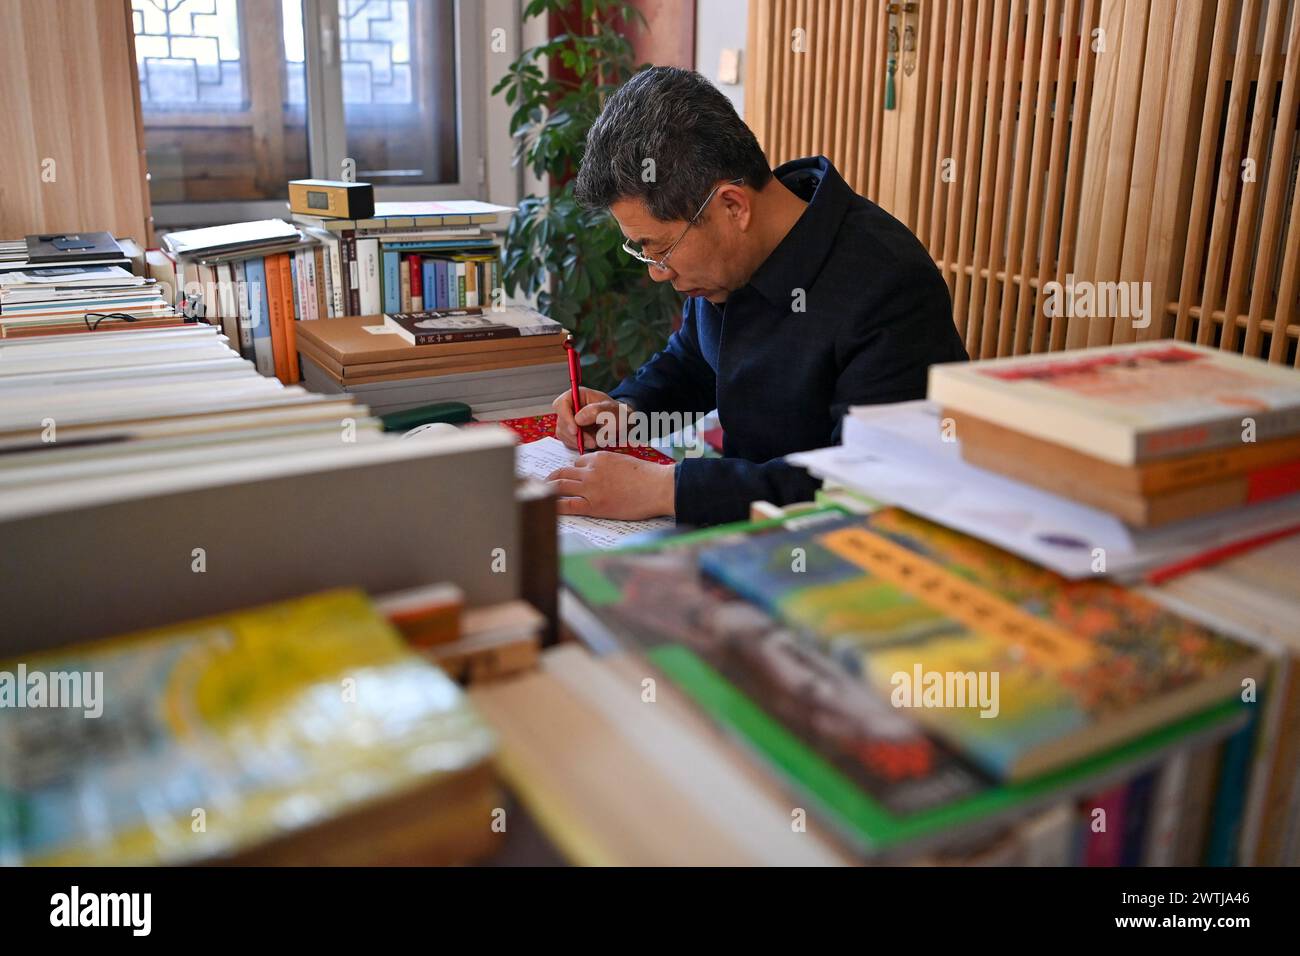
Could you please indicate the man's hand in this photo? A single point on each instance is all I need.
(606, 484)
(593, 403)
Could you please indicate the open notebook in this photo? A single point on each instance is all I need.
(538, 459)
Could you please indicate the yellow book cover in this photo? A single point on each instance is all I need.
(201, 739)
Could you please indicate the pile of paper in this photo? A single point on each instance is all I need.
(899, 455)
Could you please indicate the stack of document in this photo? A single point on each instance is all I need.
(14, 256)
(229, 239)
(900, 455)
(79, 412)
(42, 300)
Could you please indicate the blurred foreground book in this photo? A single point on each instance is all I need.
(303, 732)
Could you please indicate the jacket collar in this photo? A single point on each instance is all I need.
(798, 259)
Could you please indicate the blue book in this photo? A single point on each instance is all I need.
(415, 245)
(293, 283)
(259, 317)
(392, 281)
(1230, 800)
(433, 296)
(429, 283)
(444, 296)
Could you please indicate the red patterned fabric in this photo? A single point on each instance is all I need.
(542, 426)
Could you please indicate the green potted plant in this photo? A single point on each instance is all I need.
(618, 316)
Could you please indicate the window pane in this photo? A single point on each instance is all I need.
(398, 59)
(223, 95)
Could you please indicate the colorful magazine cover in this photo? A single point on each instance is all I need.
(268, 720)
(1044, 670)
(801, 705)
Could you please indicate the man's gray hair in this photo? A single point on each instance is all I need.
(667, 136)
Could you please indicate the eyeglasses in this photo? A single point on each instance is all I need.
(662, 263)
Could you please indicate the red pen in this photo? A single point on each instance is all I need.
(1215, 555)
(575, 385)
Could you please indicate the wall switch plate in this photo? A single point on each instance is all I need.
(729, 67)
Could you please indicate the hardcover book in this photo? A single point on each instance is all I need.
(1128, 404)
(69, 247)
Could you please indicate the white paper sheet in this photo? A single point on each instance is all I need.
(895, 454)
(538, 459)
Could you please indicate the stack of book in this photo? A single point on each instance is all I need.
(474, 645)
(1128, 460)
(1152, 433)
(503, 364)
(615, 782)
(158, 477)
(259, 281)
(48, 294)
(254, 280)
(409, 256)
(925, 691)
(83, 409)
(1166, 466)
(17, 254)
(1258, 592)
(1166, 436)
(956, 656)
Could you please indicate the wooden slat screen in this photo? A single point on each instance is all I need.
(1239, 282)
(815, 83)
(1039, 140)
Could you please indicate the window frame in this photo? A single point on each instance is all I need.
(326, 130)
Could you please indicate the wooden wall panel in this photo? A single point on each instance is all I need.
(1283, 161)
(1171, 191)
(1228, 183)
(1040, 140)
(973, 158)
(1000, 189)
(815, 84)
(1112, 128)
(69, 93)
(1238, 287)
(1051, 142)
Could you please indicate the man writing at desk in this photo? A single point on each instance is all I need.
(802, 298)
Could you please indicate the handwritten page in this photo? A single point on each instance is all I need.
(538, 459)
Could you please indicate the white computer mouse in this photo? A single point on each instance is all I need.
(431, 430)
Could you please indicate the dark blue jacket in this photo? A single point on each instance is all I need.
(876, 315)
